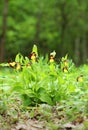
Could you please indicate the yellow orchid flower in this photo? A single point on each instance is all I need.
(80, 78)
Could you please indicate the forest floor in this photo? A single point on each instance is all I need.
(44, 117)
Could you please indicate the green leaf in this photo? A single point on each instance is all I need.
(53, 53)
(44, 97)
(66, 56)
(19, 58)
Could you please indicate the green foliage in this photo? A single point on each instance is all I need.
(43, 82)
(42, 86)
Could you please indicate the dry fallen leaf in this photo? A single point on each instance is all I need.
(30, 125)
(69, 126)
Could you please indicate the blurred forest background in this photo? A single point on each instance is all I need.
(60, 25)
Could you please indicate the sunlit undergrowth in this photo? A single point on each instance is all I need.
(27, 82)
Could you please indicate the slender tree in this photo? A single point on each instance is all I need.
(4, 29)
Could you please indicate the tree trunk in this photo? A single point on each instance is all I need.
(84, 49)
(4, 29)
(77, 50)
(63, 26)
(38, 24)
(37, 29)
